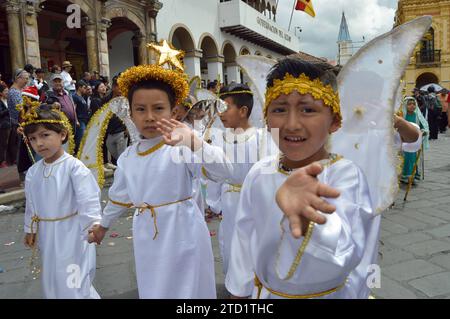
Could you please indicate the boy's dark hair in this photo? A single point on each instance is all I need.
(80, 83)
(29, 68)
(152, 84)
(212, 85)
(294, 66)
(431, 89)
(39, 71)
(47, 112)
(239, 98)
(2, 87)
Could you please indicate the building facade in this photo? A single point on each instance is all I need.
(212, 33)
(112, 34)
(48, 32)
(431, 60)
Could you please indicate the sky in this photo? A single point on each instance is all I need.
(368, 18)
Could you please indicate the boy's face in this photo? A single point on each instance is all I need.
(179, 112)
(148, 107)
(411, 106)
(233, 116)
(47, 143)
(304, 126)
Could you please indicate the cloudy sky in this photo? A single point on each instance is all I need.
(367, 18)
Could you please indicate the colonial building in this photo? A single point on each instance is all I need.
(46, 32)
(431, 60)
(212, 33)
(112, 34)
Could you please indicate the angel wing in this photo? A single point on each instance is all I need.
(256, 68)
(194, 85)
(368, 85)
(90, 151)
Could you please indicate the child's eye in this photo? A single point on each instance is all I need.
(278, 110)
(31, 139)
(308, 110)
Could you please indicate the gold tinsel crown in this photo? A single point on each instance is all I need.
(304, 85)
(173, 76)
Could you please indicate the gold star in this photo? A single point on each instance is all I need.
(167, 54)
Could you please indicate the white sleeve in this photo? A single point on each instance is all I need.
(211, 162)
(335, 248)
(414, 146)
(119, 200)
(29, 209)
(87, 194)
(239, 280)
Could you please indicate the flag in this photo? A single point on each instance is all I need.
(306, 6)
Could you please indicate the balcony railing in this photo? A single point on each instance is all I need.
(428, 58)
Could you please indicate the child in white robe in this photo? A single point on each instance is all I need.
(62, 204)
(322, 257)
(244, 145)
(172, 245)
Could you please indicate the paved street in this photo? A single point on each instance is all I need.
(415, 244)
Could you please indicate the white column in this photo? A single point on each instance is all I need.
(233, 73)
(215, 68)
(192, 64)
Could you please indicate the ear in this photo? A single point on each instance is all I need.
(63, 135)
(243, 111)
(335, 124)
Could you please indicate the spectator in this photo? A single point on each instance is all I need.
(434, 109)
(98, 96)
(95, 79)
(58, 94)
(88, 98)
(30, 69)
(5, 125)
(444, 120)
(56, 69)
(86, 77)
(68, 82)
(40, 83)
(21, 78)
(81, 110)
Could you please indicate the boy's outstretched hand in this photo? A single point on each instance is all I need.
(176, 133)
(299, 197)
(96, 234)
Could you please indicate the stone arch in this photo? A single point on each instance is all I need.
(181, 38)
(426, 78)
(120, 12)
(244, 51)
(208, 45)
(229, 52)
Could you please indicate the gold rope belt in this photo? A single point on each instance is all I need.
(36, 220)
(234, 188)
(260, 286)
(152, 208)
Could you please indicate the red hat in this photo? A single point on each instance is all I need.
(31, 91)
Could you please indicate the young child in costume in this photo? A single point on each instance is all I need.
(412, 114)
(62, 204)
(244, 145)
(267, 261)
(172, 245)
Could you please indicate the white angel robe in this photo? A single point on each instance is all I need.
(54, 191)
(333, 257)
(178, 262)
(243, 150)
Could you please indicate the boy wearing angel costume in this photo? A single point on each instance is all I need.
(302, 103)
(322, 257)
(172, 245)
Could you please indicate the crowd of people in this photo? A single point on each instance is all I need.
(78, 100)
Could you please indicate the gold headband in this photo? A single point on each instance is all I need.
(236, 92)
(304, 85)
